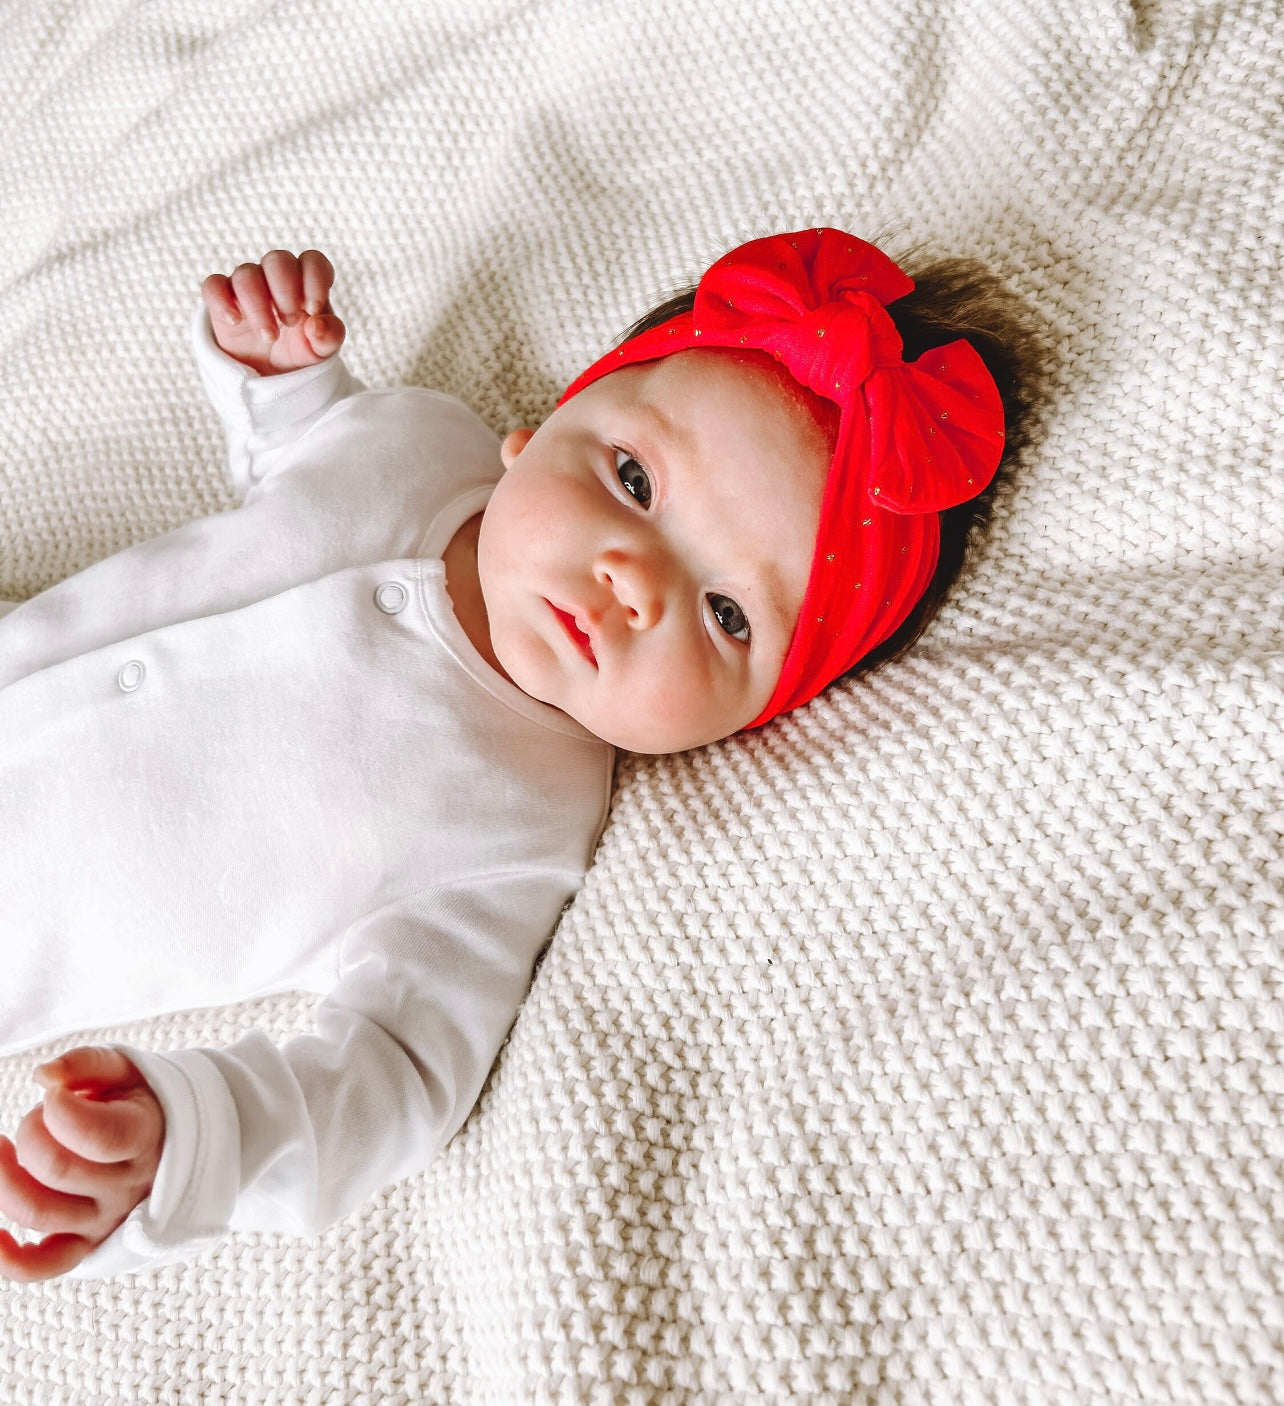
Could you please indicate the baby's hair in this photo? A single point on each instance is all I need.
(952, 298)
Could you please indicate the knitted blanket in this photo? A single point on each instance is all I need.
(925, 1045)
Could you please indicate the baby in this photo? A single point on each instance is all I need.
(355, 737)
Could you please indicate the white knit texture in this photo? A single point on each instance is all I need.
(926, 1045)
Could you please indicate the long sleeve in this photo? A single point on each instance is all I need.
(167, 578)
(293, 1138)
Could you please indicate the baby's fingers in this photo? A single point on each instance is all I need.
(94, 1068)
(54, 1255)
(284, 278)
(28, 1202)
(219, 298)
(325, 333)
(318, 278)
(104, 1130)
(54, 1166)
(250, 288)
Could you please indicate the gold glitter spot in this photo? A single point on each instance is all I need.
(730, 304)
(820, 331)
(868, 522)
(695, 331)
(876, 491)
(830, 557)
(945, 414)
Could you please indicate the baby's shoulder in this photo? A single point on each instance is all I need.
(397, 456)
(390, 411)
(402, 433)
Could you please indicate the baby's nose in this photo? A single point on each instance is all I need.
(636, 582)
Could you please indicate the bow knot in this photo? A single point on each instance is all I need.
(833, 349)
(814, 301)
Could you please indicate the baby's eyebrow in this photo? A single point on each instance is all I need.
(670, 434)
(771, 597)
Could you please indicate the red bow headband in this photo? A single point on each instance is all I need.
(913, 438)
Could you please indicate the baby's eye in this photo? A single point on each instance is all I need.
(636, 480)
(729, 615)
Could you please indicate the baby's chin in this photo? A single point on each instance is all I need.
(657, 730)
(657, 739)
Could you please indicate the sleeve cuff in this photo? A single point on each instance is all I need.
(197, 1182)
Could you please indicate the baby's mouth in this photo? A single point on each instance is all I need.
(580, 640)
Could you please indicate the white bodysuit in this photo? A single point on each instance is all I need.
(260, 753)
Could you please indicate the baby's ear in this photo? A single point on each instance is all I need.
(513, 445)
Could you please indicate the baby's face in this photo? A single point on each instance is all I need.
(644, 557)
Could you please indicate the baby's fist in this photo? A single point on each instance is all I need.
(80, 1162)
(275, 315)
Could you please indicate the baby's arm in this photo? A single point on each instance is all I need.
(267, 420)
(81, 1161)
(292, 1137)
(275, 315)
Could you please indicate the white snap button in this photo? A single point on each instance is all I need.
(131, 676)
(391, 597)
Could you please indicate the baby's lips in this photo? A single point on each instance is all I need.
(573, 623)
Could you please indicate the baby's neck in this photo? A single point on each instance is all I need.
(463, 586)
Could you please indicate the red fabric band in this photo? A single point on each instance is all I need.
(913, 438)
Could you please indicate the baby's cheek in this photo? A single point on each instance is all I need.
(688, 704)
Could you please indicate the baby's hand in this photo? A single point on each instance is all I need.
(80, 1162)
(275, 315)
